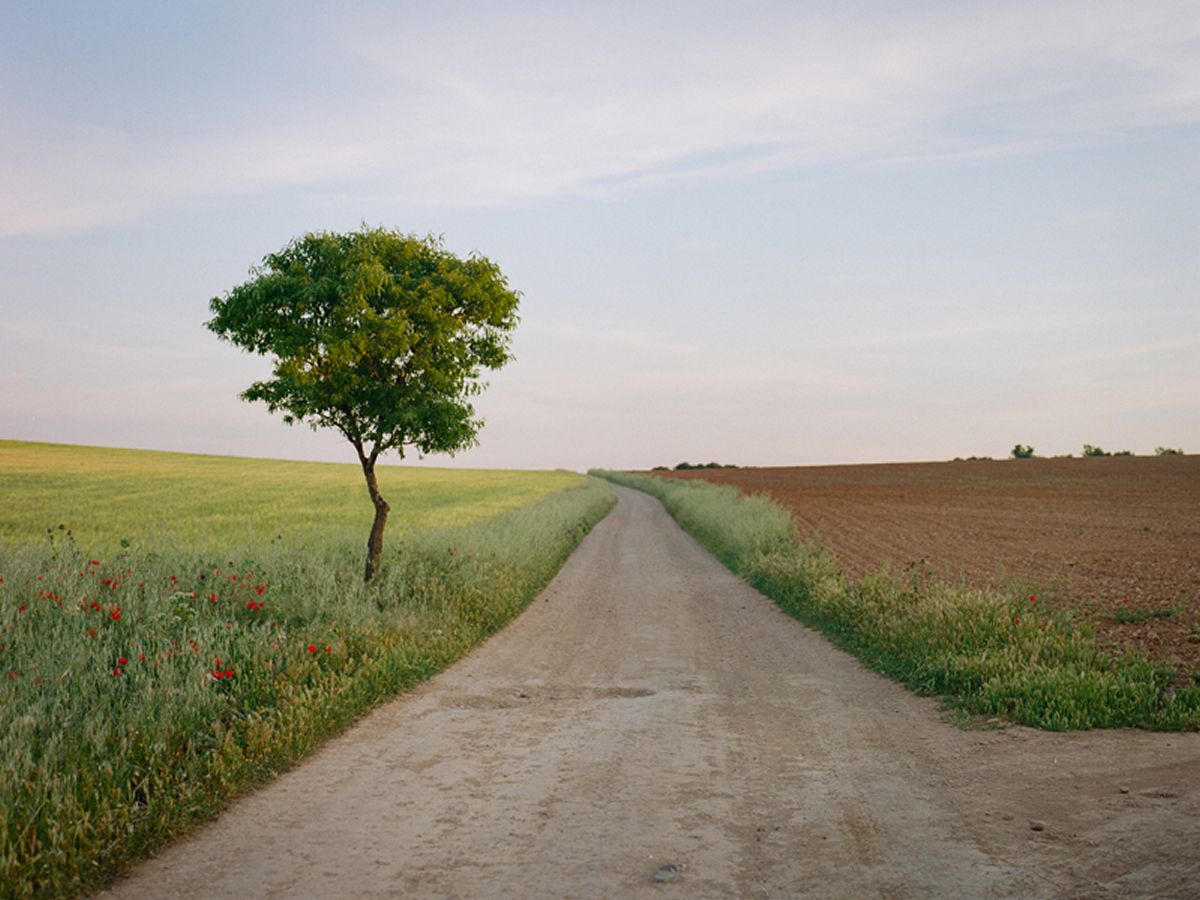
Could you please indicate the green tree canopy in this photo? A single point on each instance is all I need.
(379, 334)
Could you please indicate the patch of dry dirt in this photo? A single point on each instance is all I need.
(652, 726)
(1079, 533)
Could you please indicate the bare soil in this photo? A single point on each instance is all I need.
(652, 726)
(1103, 536)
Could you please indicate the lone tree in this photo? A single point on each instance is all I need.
(378, 334)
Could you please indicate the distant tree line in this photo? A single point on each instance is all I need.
(687, 465)
(1025, 451)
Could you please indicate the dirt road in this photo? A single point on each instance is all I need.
(653, 727)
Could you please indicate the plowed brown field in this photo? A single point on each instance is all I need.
(1108, 537)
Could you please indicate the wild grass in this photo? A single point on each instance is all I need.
(142, 687)
(988, 653)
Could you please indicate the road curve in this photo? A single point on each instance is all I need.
(651, 726)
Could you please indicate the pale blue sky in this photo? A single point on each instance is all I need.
(764, 233)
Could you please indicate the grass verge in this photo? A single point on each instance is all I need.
(988, 653)
(141, 690)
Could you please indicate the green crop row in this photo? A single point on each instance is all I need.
(988, 653)
(143, 688)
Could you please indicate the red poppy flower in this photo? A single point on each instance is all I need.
(121, 660)
(312, 648)
(116, 672)
(116, 614)
(22, 608)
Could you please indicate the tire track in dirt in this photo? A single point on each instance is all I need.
(651, 709)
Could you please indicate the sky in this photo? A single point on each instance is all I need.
(758, 233)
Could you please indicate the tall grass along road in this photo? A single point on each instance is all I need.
(176, 629)
(652, 723)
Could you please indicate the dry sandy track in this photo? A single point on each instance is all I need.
(650, 709)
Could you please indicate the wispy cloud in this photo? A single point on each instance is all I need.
(488, 106)
(25, 339)
(556, 101)
(1161, 349)
(641, 369)
(62, 176)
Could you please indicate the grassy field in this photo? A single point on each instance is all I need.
(198, 624)
(988, 652)
(104, 496)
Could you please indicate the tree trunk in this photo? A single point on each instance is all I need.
(375, 541)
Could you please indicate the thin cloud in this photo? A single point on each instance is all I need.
(677, 101)
(643, 368)
(1164, 348)
(54, 343)
(68, 177)
(480, 108)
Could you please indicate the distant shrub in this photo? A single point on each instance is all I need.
(1168, 451)
(1123, 453)
(1021, 451)
(1089, 450)
(683, 466)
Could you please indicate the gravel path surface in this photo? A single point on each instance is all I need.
(651, 726)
